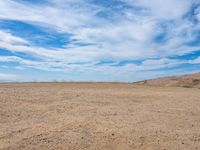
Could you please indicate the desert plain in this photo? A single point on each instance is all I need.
(98, 116)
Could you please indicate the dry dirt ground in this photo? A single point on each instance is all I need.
(98, 116)
(188, 81)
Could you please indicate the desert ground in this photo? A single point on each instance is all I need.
(187, 81)
(98, 116)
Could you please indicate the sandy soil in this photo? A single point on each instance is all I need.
(188, 81)
(94, 116)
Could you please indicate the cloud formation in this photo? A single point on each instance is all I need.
(7, 77)
(116, 36)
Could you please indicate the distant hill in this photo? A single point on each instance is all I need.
(189, 81)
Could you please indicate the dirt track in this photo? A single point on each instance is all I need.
(94, 116)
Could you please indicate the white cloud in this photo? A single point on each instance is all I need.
(197, 13)
(168, 9)
(127, 36)
(195, 61)
(60, 15)
(123, 39)
(8, 77)
(9, 38)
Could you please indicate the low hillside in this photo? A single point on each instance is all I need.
(190, 81)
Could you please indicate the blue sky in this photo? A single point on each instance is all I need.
(98, 40)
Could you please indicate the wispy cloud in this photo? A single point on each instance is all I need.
(150, 32)
(195, 61)
(8, 77)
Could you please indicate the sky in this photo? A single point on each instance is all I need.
(98, 40)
